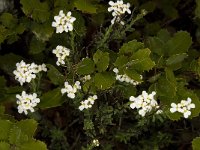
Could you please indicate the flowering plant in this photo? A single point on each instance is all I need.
(110, 75)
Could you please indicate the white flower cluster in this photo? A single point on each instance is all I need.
(118, 8)
(88, 102)
(125, 78)
(61, 53)
(71, 90)
(63, 22)
(95, 142)
(183, 107)
(26, 72)
(86, 78)
(144, 103)
(26, 102)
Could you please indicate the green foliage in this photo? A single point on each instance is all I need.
(54, 75)
(131, 47)
(196, 143)
(11, 60)
(101, 59)
(36, 46)
(19, 134)
(153, 50)
(85, 6)
(86, 66)
(197, 10)
(104, 80)
(179, 43)
(38, 11)
(51, 98)
(42, 31)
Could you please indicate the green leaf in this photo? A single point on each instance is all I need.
(156, 45)
(54, 75)
(79, 25)
(164, 35)
(8, 20)
(197, 10)
(179, 43)
(50, 99)
(42, 31)
(16, 136)
(121, 61)
(33, 145)
(10, 65)
(4, 146)
(174, 116)
(141, 60)
(101, 59)
(174, 59)
(60, 3)
(166, 87)
(170, 76)
(35, 9)
(195, 66)
(5, 126)
(85, 67)
(89, 87)
(133, 74)
(28, 127)
(131, 47)
(36, 46)
(196, 143)
(86, 6)
(3, 33)
(104, 80)
(128, 90)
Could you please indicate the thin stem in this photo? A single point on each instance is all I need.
(72, 37)
(33, 86)
(106, 36)
(138, 17)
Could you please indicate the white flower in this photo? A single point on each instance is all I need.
(125, 78)
(27, 102)
(86, 78)
(173, 108)
(183, 107)
(95, 142)
(63, 22)
(87, 103)
(26, 72)
(61, 53)
(118, 9)
(71, 90)
(144, 103)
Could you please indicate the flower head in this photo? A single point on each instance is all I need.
(63, 22)
(27, 102)
(71, 90)
(183, 107)
(144, 103)
(26, 72)
(118, 9)
(95, 142)
(87, 103)
(61, 53)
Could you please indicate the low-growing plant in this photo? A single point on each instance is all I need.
(99, 75)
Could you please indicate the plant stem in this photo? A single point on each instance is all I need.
(72, 37)
(138, 17)
(106, 36)
(33, 86)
